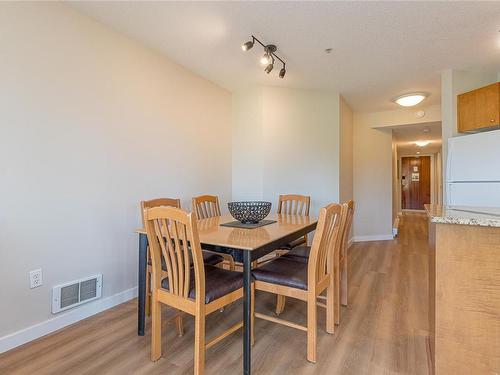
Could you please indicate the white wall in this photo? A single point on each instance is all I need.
(372, 180)
(301, 145)
(395, 181)
(92, 123)
(297, 135)
(248, 148)
(346, 152)
(373, 163)
(453, 83)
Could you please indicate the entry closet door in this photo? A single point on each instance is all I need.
(415, 182)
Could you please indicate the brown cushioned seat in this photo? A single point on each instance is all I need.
(283, 271)
(295, 243)
(208, 258)
(212, 259)
(300, 253)
(218, 283)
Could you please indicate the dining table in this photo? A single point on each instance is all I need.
(245, 245)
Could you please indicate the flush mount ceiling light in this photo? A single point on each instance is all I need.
(409, 100)
(269, 55)
(422, 143)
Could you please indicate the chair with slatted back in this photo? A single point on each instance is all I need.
(341, 291)
(189, 285)
(301, 254)
(295, 204)
(306, 280)
(172, 202)
(291, 204)
(204, 207)
(208, 258)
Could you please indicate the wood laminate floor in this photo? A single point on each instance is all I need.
(383, 330)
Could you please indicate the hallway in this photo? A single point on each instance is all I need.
(383, 331)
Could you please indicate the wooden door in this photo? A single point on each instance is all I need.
(415, 182)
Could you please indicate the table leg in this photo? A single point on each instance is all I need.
(247, 290)
(143, 264)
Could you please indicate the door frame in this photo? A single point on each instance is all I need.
(432, 180)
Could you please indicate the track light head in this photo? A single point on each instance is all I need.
(269, 68)
(282, 72)
(266, 59)
(248, 45)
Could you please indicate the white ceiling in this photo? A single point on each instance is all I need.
(380, 49)
(405, 137)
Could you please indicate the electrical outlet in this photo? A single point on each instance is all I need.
(36, 278)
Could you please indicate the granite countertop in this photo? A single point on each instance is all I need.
(464, 215)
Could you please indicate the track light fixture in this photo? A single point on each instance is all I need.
(269, 55)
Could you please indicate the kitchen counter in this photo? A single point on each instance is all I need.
(464, 290)
(464, 215)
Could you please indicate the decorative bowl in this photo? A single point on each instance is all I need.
(249, 212)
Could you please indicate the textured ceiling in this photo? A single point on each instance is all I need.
(379, 49)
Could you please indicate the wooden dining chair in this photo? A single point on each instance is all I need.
(295, 204)
(306, 280)
(171, 202)
(189, 285)
(341, 291)
(291, 204)
(301, 253)
(208, 258)
(204, 207)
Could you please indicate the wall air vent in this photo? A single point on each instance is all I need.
(75, 293)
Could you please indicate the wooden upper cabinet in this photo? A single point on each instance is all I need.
(466, 105)
(479, 109)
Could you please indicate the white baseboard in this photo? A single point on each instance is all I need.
(379, 237)
(350, 242)
(59, 321)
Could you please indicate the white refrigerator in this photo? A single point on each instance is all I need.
(473, 170)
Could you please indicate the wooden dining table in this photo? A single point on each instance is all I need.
(245, 246)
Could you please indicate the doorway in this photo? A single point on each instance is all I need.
(415, 182)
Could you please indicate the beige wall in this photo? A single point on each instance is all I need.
(346, 152)
(291, 147)
(373, 165)
(92, 123)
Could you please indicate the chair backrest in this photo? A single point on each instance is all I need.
(169, 232)
(206, 206)
(349, 209)
(169, 202)
(294, 204)
(324, 242)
